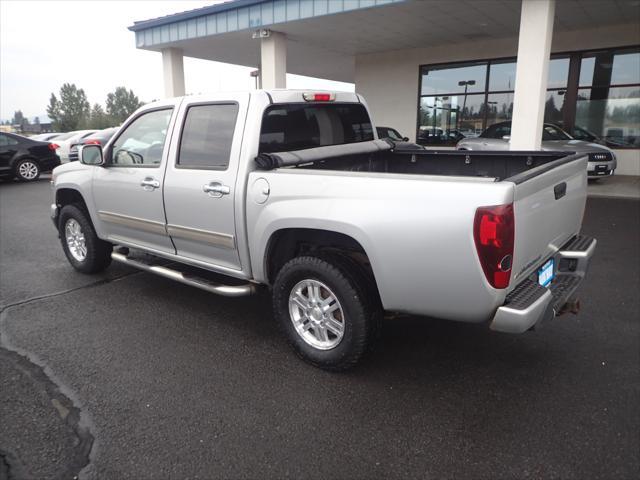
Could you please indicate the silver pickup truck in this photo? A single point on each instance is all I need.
(292, 191)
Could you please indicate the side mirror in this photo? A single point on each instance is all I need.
(90, 154)
(405, 139)
(506, 137)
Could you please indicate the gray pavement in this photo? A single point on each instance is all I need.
(617, 186)
(134, 376)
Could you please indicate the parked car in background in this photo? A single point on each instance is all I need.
(392, 133)
(438, 136)
(70, 139)
(602, 161)
(24, 158)
(101, 137)
(45, 137)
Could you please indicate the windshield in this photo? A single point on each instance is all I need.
(551, 132)
(300, 126)
(65, 136)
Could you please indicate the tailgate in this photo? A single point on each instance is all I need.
(549, 203)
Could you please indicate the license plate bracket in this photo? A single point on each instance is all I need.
(546, 273)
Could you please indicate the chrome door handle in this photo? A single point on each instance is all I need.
(216, 189)
(149, 183)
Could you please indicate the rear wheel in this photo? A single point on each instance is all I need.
(325, 312)
(27, 170)
(84, 250)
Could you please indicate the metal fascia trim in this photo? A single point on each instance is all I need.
(204, 236)
(150, 226)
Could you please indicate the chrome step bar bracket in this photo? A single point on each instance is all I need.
(187, 279)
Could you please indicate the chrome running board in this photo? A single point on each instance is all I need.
(150, 264)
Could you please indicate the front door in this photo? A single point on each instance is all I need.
(128, 189)
(200, 185)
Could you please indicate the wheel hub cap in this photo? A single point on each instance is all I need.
(75, 240)
(316, 314)
(28, 170)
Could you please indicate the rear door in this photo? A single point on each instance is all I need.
(549, 204)
(200, 185)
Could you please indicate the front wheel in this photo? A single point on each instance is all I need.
(84, 250)
(27, 170)
(325, 311)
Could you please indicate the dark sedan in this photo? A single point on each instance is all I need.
(24, 158)
(100, 137)
(392, 133)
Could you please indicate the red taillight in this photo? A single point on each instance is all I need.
(493, 232)
(319, 97)
(53, 146)
(91, 142)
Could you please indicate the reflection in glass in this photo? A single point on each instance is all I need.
(558, 73)
(437, 80)
(610, 68)
(502, 76)
(554, 106)
(444, 120)
(615, 119)
(499, 107)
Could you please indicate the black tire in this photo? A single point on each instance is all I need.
(28, 170)
(98, 252)
(360, 315)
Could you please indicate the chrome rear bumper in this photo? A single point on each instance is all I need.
(529, 303)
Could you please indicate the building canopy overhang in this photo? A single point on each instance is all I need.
(325, 36)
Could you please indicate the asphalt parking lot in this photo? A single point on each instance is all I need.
(128, 375)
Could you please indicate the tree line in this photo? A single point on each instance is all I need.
(70, 110)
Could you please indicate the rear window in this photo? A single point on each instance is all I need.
(301, 126)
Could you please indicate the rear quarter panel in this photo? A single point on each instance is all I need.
(416, 230)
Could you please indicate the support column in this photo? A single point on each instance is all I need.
(173, 71)
(273, 55)
(532, 71)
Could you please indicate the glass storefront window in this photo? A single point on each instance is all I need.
(437, 80)
(612, 114)
(610, 68)
(558, 73)
(444, 120)
(499, 107)
(502, 76)
(459, 100)
(554, 105)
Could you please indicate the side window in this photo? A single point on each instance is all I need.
(142, 142)
(6, 140)
(489, 132)
(502, 131)
(207, 135)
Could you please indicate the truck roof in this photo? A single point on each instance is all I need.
(282, 95)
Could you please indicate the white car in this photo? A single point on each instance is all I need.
(66, 140)
(46, 137)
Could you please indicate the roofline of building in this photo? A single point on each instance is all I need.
(199, 12)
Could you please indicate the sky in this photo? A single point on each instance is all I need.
(44, 44)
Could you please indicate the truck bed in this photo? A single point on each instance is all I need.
(412, 159)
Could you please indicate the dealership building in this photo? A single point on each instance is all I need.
(436, 70)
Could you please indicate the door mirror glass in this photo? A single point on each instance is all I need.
(506, 137)
(91, 154)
